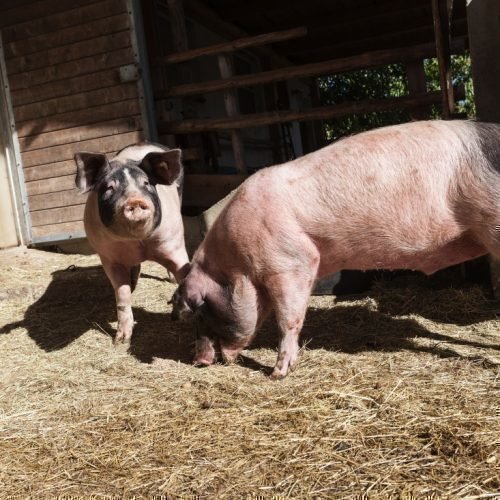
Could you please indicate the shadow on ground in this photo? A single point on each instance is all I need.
(81, 298)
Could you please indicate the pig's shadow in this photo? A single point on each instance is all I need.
(352, 329)
(81, 298)
(78, 299)
(75, 298)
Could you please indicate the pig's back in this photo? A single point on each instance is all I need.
(394, 180)
(389, 188)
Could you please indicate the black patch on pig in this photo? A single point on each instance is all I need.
(489, 137)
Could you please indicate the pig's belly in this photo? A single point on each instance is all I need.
(426, 260)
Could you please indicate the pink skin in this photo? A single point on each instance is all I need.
(131, 241)
(419, 196)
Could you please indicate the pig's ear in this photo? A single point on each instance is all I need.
(88, 166)
(184, 305)
(164, 167)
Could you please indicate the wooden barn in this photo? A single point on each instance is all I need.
(233, 83)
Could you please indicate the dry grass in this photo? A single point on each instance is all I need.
(397, 393)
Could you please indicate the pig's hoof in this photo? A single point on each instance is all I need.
(121, 338)
(202, 362)
(278, 374)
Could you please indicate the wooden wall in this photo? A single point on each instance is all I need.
(63, 59)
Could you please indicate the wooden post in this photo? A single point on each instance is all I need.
(231, 105)
(415, 73)
(441, 10)
(274, 134)
(178, 24)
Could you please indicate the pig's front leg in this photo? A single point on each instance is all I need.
(121, 278)
(290, 294)
(177, 262)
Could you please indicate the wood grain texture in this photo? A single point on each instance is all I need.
(91, 11)
(67, 107)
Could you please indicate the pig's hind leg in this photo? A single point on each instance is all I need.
(123, 280)
(290, 294)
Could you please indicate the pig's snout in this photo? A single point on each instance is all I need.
(137, 210)
(204, 352)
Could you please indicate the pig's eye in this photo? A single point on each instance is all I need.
(108, 191)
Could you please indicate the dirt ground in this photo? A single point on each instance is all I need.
(396, 393)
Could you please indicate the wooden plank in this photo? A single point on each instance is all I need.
(209, 19)
(350, 48)
(86, 65)
(334, 66)
(71, 52)
(203, 190)
(61, 20)
(323, 113)
(58, 169)
(53, 184)
(7, 5)
(83, 133)
(57, 215)
(51, 170)
(36, 10)
(231, 46)
(440, 14)
(57, 231)
(46, 41)
(94, 114)
(67, 106)
(58, 199)
(67, 151)
(71, 86)
(231, 106)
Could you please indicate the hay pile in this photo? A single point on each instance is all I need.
(397, 393)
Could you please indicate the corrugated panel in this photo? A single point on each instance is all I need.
(63, 59)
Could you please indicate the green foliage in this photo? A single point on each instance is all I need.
(461, 71)
(388, 81)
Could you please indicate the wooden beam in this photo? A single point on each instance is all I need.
(335, 66)
(310, 51)
(231, 46)
(323, 113)
(441, 10)
(211, 20)
(231, 105)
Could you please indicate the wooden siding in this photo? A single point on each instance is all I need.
(63, 59)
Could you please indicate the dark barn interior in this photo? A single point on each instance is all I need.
(235, 84)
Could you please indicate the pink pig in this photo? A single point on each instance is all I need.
(423, 196)
(132, 215)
